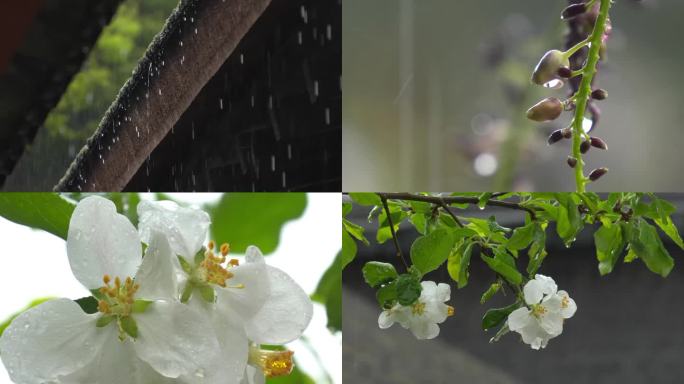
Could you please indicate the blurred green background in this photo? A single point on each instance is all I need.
(108, 66)
(424, 108)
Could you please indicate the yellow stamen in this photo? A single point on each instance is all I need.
(450, 310)
(225, 248)
(211, 245)
(272, 363)
(106, 279)
(418, 308)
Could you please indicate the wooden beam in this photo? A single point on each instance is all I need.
(196, 40)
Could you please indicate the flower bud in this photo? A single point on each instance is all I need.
(567, 133)
(599, 94)
(547, 68)
(564, 72)
(573, 11)
(546, 110)
(584, 147)
(598, 143)
(555, 136)
(572, 162)
(597, 173)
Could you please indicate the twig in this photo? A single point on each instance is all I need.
(439, 200)
(383, 198)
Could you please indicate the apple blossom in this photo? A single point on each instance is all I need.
(542, 318)
(140, 334)
(422, 317)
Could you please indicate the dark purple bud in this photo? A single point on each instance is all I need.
(572, 162)
(565, 72)
(598, 143)
(555, 136)
(546, 110)
(567, 133)
(597, 173)
(599, 94)
(547, 68)
(573, 11)
(584, 147)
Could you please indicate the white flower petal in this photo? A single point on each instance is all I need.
(548, 285)
(424, 330)
(534, 335)
(568, 306)
(533, 292)
(185, 228)
(50, 340)
(386, 319)
(156, 275)
(552, 323)
(227, 366)
(285, 314)
(101, 241)
(429, 290)
(174, 339)
(519, 319)
(253, 376)
(442, 293)
(436, 312)
(247, 301)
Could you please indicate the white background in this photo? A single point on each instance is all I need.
(33, 264)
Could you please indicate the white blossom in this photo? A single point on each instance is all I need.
(547, 308)
(56, 342)
(422, 317)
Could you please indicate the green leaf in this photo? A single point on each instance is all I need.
(609, 245)
(346, 208)
(104, 321)
(670, 229)
(387, 295)
(522, 237)
(348, 248)
(365, 198)
(483, 199)
(496, 316)
(376, 273)
(430, 251)
(355, 230)
(503, 268)
(408, 289)
(46, 211)
(458, 263)
(384, 232)
(88, 304)
(569, 222)
(129, 325)
(646, 244)
(420, 222)
(491, 291)
(32, 304)
(537, 252)
(329, 293)
(244, 219)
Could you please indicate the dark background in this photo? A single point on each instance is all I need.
(628, 327)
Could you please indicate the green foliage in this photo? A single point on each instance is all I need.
(496, 316)
(47, 211)
(431, 251)
(329, 293)
(243, 219)
(458, 263)
(365, 198)
(609, 245)
(376, 273)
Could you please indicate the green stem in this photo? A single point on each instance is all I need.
(584, 92)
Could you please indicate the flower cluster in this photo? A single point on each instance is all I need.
(589, 28)
(547, 308)
(422, 316)
(180, 313)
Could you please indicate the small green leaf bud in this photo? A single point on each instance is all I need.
(584, 147)
(555, 136)
(573, 10)
(597, 173)
(599, 94)
(598, 143)
(546, 110)
(572, 162)
(547, 68)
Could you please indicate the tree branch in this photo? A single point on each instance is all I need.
(394, 234)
